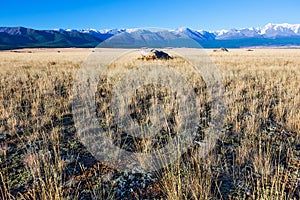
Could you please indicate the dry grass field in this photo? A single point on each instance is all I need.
(42, 158)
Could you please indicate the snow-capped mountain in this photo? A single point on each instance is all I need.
(269, 31)
(282, 30)
(238, 34)
(269, 35)
(161, 33)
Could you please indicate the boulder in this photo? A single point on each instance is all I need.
(153, 54)
(221, 50)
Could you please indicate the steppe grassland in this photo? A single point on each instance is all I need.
(258, 158)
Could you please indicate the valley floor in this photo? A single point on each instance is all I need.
(42, 157)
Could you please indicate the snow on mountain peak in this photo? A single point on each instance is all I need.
(277, 30)
(221, 32)
(131, 30)
(183, 29)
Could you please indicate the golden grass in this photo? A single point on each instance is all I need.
(41, 158)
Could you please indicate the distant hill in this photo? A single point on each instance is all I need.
(20, 37)
(279, 35)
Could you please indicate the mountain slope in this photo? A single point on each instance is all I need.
(19, 37)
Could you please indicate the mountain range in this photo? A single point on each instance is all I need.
(271, 35)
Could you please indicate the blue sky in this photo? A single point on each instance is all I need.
(100, 14)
